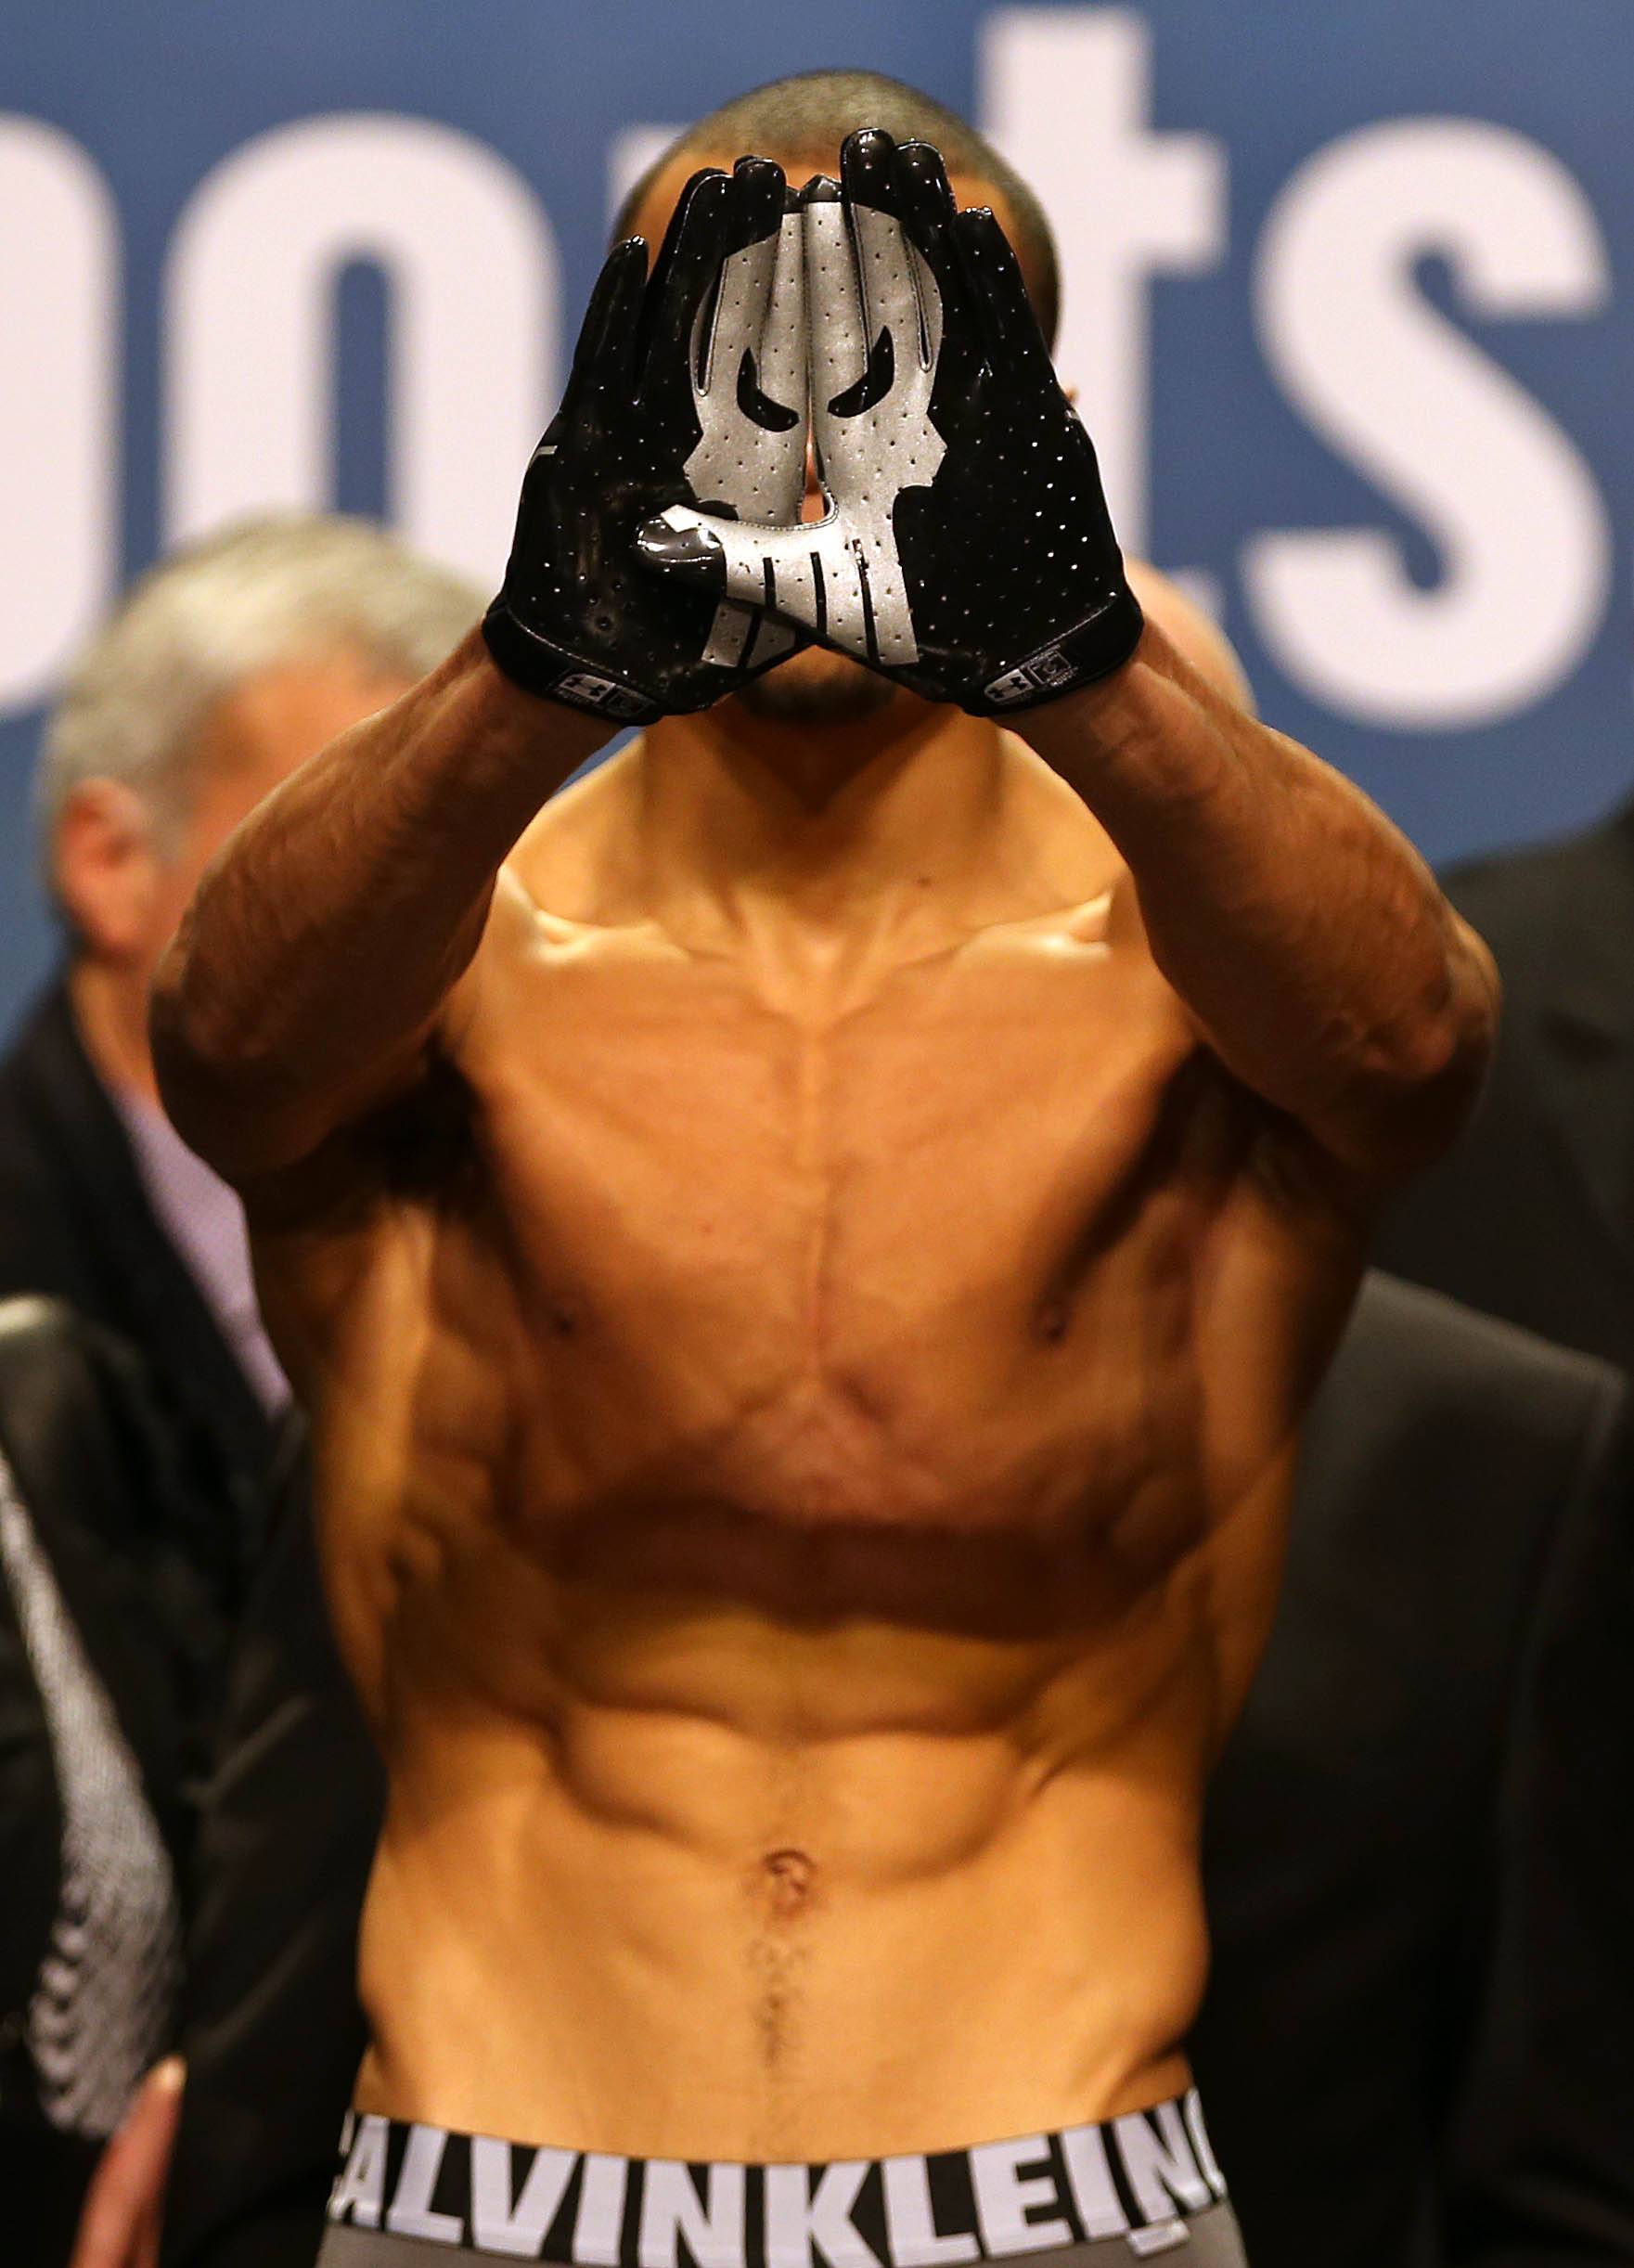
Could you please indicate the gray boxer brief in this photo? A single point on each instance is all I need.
(1142, 2187)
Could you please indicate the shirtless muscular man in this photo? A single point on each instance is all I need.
(805, 1257)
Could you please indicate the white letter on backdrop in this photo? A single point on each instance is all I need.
(1066, 94)
(1437, 426)
(469, 262)
(59, 321)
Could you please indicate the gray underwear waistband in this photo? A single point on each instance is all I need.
(1210, 2239)
(1144, 2186)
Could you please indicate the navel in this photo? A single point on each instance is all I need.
(790, 1877)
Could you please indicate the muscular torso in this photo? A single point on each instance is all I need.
(802, 1488)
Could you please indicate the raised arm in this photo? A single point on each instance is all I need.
(966, 552)
(1307, 937)
(309, 975)
(325, 947)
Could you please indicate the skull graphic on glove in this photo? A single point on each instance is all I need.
(965, 549)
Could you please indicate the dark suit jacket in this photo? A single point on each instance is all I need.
(1532, 1215)
(91, 1469)
(271, 2024)
(1416, 1854)
(1418, 2045)
(75, 1223)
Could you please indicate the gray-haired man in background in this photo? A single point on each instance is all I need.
(139, 1404)
(227, 666)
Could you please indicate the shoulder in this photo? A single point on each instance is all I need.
(1501, 1410)
(1448, 1467)
(43, 1073)
(65, 1157)
(1510, 895)
(1404, 1326)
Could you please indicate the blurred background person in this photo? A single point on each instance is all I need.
(1532, 1215)
(140, 1405)
(1420, 1837)
(226, 667)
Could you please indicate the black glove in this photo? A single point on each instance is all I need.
(689, 386)
(967, 550)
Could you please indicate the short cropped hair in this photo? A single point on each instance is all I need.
(814, 111)
(257, 596)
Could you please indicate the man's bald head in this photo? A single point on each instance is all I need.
(802, 121)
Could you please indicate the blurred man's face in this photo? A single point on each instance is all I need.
(252, 740)
(126, 886)
(814, 687)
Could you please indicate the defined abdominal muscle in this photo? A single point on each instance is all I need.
(846, 1880)
(787, 1761)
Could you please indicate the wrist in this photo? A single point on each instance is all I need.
(1093, 718)
(521, 730)
(541, 667)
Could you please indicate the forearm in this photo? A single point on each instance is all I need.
(326, 934)
(1304, 932)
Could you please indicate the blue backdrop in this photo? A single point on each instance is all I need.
(1342, 303)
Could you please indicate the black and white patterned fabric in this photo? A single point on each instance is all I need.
(101, 2008)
